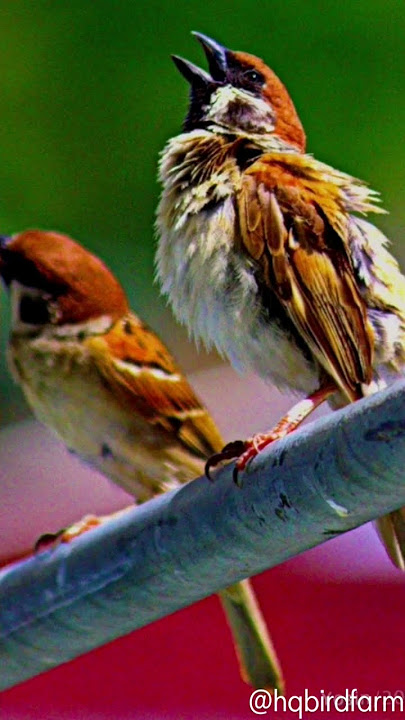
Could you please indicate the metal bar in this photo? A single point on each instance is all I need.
(324, 479)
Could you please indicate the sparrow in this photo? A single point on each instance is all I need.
(105, 384)
(261, 252)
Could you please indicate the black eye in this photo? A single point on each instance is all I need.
(253, 76)
(34, 310)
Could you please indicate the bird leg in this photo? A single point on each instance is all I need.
(246, 450)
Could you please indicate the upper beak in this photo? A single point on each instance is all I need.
(217, 63)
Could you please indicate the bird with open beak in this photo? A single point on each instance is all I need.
(261, 253)
(107, 386)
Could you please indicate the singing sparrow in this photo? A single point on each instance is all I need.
(261, 255)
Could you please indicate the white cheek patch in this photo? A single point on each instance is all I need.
(239, 110)
(94, 326)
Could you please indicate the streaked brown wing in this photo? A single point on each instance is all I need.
(142, 374)
(289, 227)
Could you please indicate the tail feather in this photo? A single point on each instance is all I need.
(391, 529)
(258, 661)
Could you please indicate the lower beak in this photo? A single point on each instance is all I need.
(217, 61)
(216, 56)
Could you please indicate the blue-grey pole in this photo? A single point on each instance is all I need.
(324, 479)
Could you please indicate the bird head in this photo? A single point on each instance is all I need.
(55, 281)
(239, 94)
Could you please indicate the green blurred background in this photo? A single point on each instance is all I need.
(89, 95)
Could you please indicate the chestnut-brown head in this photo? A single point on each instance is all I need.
(239, 94)
(58, 281)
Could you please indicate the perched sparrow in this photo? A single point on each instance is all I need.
(105, 384)
(260, 253)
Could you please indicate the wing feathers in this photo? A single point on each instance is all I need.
(293, 226)
(140, 371)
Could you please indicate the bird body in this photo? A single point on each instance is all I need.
(108, 387)
(260, 251)
(218, 303)
(103, 428)
(213, 259)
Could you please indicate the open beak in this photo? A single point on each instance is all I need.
(217, 63)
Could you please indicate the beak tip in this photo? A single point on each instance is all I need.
(215, 54)
(198, 35)
(205, 40)
(176, 59)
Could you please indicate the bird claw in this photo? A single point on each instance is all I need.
(232, 450)
(244, 450)
(252, 448)
(48, 541)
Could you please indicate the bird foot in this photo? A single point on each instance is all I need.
(65, 535)
(253, 447)
(232, 450)
(246, 450)
(243, 450)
